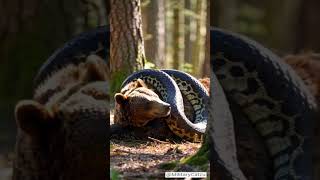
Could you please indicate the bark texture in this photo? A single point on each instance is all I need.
(127, 47)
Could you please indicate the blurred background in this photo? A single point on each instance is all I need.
(287, 26)
(30, 31)
(175, 34)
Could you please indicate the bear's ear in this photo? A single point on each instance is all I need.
(120, 98)
(34, 119)
(141, 83)
(95, 69)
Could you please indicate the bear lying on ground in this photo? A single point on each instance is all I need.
(137, 104)
(62, 130)
(139, 107)
(250, 149)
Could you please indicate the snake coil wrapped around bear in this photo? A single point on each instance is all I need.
(273, 98)
(271, 95)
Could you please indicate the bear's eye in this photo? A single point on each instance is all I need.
(148, 106)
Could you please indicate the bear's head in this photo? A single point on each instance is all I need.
(62, 132)
(137, 104)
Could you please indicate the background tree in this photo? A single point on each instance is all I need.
(182, 27)
(308, 26)
(198, 53)
(287, 27)
(178, 34)
(154, 29)
(127, 46)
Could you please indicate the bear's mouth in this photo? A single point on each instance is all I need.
(165, 113)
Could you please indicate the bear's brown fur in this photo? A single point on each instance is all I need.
(139, 105)
(62, 130)
(307, 66)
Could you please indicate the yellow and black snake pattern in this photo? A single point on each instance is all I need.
(196, 101)
(172, 85)
(157, 85)
(72, 123)
(272, 97)
(268, 92)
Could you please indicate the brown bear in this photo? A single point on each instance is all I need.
(138, 105)
(62, 131)
(307, 66)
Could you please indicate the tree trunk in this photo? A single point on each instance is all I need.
(155, 28)
(206, 64)
(308, 26)
(225, 13)
(281, 20)
(188, 33)
(127, 47)
(198, 53)
(178, 34)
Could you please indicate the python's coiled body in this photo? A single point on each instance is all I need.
(170, 93)
(73, 147)
(194, 92)
(95, 42)
(266, 90)
(273, 98)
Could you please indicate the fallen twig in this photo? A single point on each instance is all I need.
(159, 141)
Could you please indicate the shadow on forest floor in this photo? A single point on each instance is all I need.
(135, 158)
(7, 142)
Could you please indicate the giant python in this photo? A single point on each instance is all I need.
(272, 97)
(266, 90)
(172, 85)
(67, 141)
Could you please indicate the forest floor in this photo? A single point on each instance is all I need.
(7, 142)
(132, 158)
(6, 160)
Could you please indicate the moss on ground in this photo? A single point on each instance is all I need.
(169, 165)
(199, 160)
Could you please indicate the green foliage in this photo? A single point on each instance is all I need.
(200, 159)
(187, 67)
(114, 175)
(250, 21)
(149, 65)
(145, 3)
(169, 165)
(190, 13)
(116, 82)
